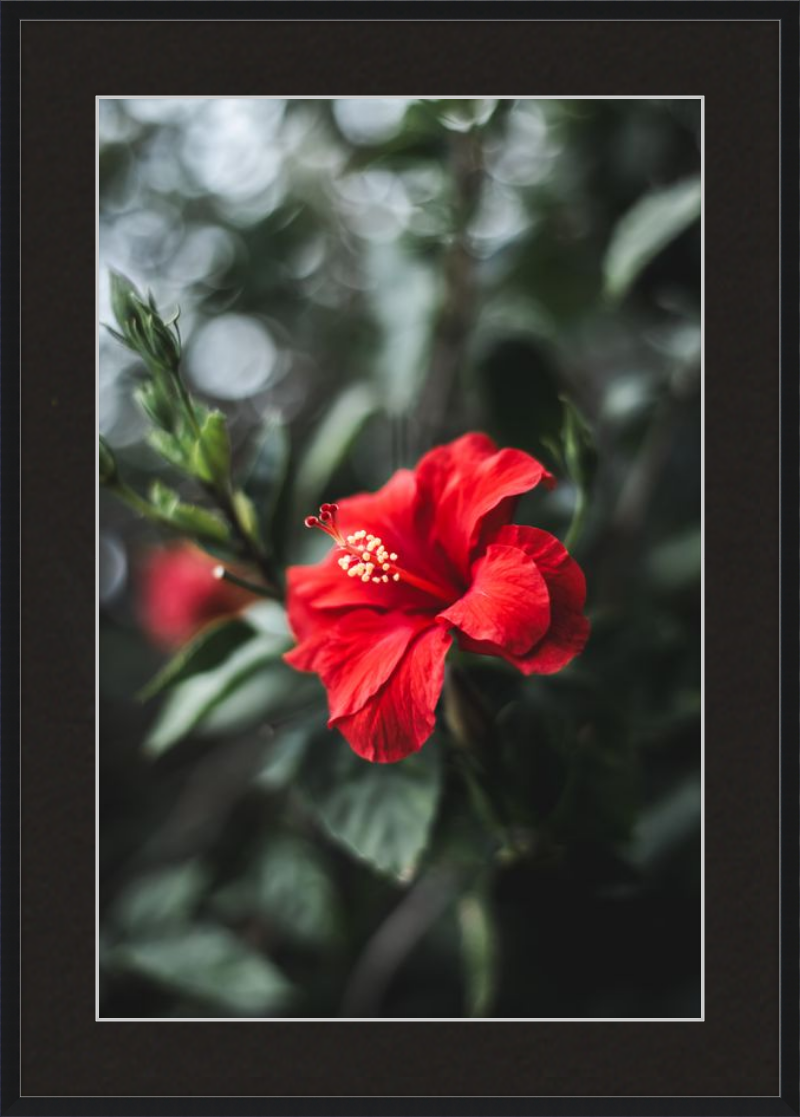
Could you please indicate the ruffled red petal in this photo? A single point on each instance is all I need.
(462, 483)
(508, 602)
(355, 654)
(569, 629)
(400, 717)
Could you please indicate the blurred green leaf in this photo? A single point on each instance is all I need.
(208, 649)
(211, 964)
(265, 475)
(382, 813)
(246, 513)
(274, 691)
(647, 228)
(333, 438)
(165, 896)
(677, 563)
(668, 824)
(285, 754)
(287, 882)
(196, 697)
(478, 952)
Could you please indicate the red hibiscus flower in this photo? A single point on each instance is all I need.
(179, 594)
(429, 555)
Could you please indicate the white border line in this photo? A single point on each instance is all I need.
(289, 1020)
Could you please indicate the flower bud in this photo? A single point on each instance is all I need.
(142, 328)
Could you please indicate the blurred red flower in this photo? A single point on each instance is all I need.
(430, 553)
(179, 594)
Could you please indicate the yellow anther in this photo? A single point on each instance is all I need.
(384, 577)
(393, 557)
(365, 577)
(365, 556)
(376, 579)
(385, 566)
(395, 577)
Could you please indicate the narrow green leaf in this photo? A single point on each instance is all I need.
(196, 697)
(647, 228)
(382, 813)
(208, 649)
(208, 963)
(246, 514)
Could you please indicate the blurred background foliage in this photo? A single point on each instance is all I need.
(360, 279)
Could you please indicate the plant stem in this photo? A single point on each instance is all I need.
(225, 575)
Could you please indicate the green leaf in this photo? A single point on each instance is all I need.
(188, 518)
(266, 473)
(158, 407)
(285, 755)
(478, 953)
(208, 963)
(210, 648)
(194, 699)
(330, 444)
(168, 446)
(382, 813)
(247, 515)
(275, 691)
(647, 228)
(211, 453)
(287, 882)
(167, 896)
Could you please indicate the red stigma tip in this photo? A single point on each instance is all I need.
(311, 521)
(325, 516)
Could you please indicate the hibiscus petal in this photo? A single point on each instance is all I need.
(507, 604)
(387, 513)
(401, 716)
(569, 629)
(460, 484)
(564, 577)
(355, 654)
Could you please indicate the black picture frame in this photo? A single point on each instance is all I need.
(56, 59)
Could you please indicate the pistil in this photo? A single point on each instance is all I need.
(365, 557)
